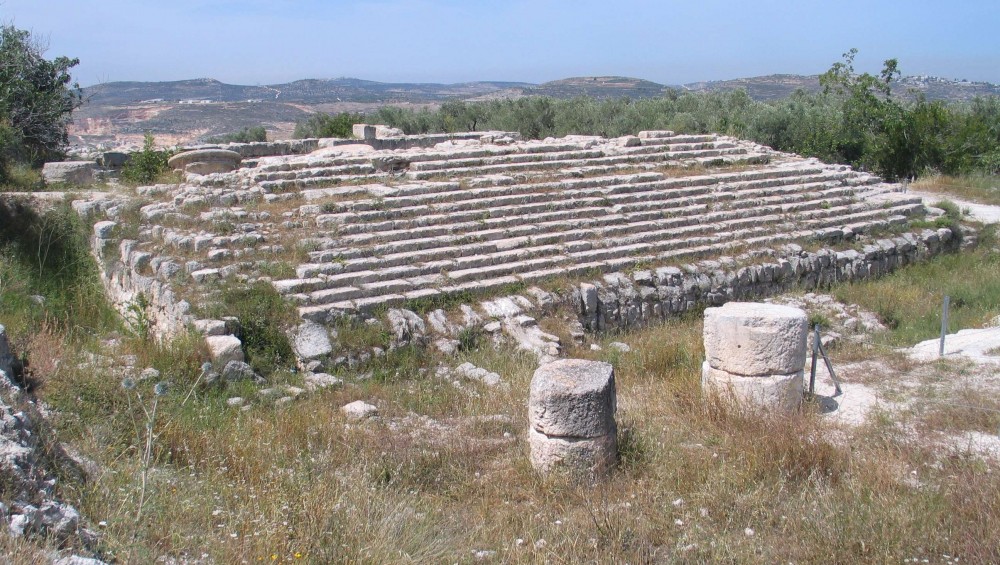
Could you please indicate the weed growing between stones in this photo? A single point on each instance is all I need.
(263, 317)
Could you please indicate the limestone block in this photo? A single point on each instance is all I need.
(113, 159)
(573, 398)
(69, 172)
(772, 392)
(239, 371)
(587, 457)
(312, 340)
(224, 348)
(207, 160)
(747, 338)
(359, 410)
(104, 229)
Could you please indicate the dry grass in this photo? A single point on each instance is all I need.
(443, 473)
(984, 189)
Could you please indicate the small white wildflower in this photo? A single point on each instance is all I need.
(748, 532)
(678, 522)
(540, 544)
(678, 503)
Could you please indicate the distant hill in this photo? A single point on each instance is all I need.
(775, 87)
(307, 91)
(184, 110)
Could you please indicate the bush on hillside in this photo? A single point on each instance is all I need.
(326, 125)
(245, 135)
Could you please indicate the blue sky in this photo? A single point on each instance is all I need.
(667, 41)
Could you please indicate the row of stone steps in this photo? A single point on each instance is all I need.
(400, 280)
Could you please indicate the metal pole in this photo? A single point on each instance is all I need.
(944, 324)
(812, 372)
(829, 367)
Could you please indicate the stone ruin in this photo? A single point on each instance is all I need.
(755, 354)
(621, 231)
(571, 419)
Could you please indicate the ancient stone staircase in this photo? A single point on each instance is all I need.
(364, 229)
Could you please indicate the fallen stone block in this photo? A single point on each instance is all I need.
(224, 348)
(69, 172)
(206, 161)
(359, 410)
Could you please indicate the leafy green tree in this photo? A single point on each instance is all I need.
(37, 100)
(245, 135)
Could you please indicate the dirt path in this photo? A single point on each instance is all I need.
(985, 213)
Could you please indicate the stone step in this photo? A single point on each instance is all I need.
(544, 166)
(513, 158)
(431, 214)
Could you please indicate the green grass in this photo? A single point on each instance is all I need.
(909, 301)
(22, 178)
(264, 316)
(47, 273)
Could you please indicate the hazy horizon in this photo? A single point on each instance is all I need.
(448, 41)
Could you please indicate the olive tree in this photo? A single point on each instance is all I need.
(37, 99)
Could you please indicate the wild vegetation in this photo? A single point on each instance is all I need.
(326, 125)
(146, 166)
(442, 474)
(857, 119)
(36, 103)
(245, 135)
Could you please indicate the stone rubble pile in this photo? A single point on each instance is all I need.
(31, 507)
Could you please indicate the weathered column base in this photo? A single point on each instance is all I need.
(582, 458)
(770, 392)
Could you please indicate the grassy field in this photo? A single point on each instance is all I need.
(442, 474)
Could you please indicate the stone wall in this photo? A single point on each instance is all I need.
(628, 300)
(136, 281)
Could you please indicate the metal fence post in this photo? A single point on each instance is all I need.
(944, 324)
(815, 352)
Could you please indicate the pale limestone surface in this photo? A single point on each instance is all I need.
(580, 457)
(205, 161)
(224, 348)
(359, 410)
(782, 392)
(312, 340)
(69, 172)
(753, 339)
(573, 398)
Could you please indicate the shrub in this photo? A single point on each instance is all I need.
(245, 135)
(325, 125)
(145, 166)
(263, 317)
